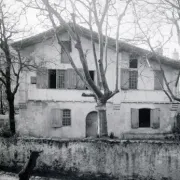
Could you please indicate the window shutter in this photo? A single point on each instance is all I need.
(70, 79)
(134, 118)
(42, 79)
(155, 118)
(79, 83)
(158, 80)
(124, 79)
(56, 115)
(64, 57)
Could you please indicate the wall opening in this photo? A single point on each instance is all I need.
(91, 124)
(144, 117)
(52, 78)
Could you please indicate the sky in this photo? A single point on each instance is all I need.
(33, 25)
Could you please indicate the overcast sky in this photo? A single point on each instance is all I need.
(33, 25)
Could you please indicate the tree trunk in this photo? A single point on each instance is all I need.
(102, 120)
(1, 103)
(11, 115)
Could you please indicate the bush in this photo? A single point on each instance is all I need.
(5, 131)
(111, 135)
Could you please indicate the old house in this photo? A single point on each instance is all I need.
(51, 102)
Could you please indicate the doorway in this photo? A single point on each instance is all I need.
(91, 124)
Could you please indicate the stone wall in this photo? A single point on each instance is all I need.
(111, 158)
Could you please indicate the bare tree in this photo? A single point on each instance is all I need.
(160, 20)
(95, 15)
(11, 62)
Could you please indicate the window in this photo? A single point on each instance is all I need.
(129, 76)
(133, 77)
(133, 62)
(52, 78)
(60, 117)
(61, 79)
(56, 78)
(64, 57)
(66, 117)
(33, 79)
(145, 118)
(158, 80)
(91, 73)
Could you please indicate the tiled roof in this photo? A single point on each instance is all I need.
(123, 46)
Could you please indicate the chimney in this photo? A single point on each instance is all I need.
(175, 55)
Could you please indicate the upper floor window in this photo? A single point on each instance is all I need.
(64, 57)
(133, 63)
(133, 79)
(129, 77)
(61, 79)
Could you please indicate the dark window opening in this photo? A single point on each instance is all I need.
(91, 73)
(144, 117)
(52, 78)
(133, 63)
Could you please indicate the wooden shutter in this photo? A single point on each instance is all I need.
(70, 79)
(124, 79)
(79, 83)
(42, 79)
(134, 118)
(155, 118)
(158, 80)
(64, 57)
(125, 60)
(56, 115)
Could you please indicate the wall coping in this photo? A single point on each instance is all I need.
(85, 140)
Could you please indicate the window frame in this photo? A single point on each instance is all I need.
(66, 120)
(130, 61)
(132, 79)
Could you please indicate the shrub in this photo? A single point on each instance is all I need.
(5, 131)
(111, 135)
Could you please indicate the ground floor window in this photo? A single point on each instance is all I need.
(66, 117)
(60, 117)
(145, 118)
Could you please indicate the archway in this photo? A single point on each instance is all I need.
(91, 124)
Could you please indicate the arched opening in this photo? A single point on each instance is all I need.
(91, 124)
(144, 117)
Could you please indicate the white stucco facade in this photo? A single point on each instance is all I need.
(35, 119)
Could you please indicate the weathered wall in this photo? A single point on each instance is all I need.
(120, 159)
(36, 120)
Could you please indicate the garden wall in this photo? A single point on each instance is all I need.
(111, 158)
